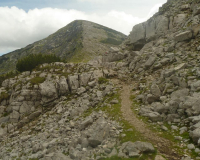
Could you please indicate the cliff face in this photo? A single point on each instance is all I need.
(79, 41)
(173, 18)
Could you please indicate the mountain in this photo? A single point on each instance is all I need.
(138, 101)
(79, 41)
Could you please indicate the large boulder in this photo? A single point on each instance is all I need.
(154, 116)
(150, 29)
(3, 131)
(150, 62)
(187, 35)
(180, 94)
(73, 82)
(2, 109)
(96, 74)
(155, 90)
(195, 86)
(48, 91)
(100, 131)
(130, 149)
(63, 86)
(138, 33)
(162, 23)
(151, 98)
(196, 11)
(195, 135)
(24, 108)
(84, 78)
(14, 116)
(86, 123)
(178, 19)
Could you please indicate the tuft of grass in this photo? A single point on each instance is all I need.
(102, 80)
(142, 157)
(3, 125)
(4, 96)
(111, 41)
(37, 80)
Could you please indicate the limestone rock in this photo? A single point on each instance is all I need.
(138, 33)
(187, 35)
(134, 149)
(48, 91)
(63, 86)
(100, 132)
(73, 83)
(159, 157)
(155, 90)
(150, 62)
(195, 135)
(86, 123)
(14, 116)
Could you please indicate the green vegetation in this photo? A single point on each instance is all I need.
(143, 157)
(170, 134)
(33, 60)
(111, 41)
(108, 30)
(102, 80)
(129, 132)
(37, 80)
(3, 125)
(4, 96)
(7, 76)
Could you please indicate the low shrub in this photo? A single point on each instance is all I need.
(37, 80)
(33, 60)
(4, 96)
(7, 76)
(102, 80)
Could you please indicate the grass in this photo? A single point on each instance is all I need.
(4, 96)
(111, 41)
(170, 135)
(129, 132)
(37, 80)
(102, 80)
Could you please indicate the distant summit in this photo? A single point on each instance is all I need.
(79, 41)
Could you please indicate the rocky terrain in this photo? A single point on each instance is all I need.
(79, 41)
(138, 101)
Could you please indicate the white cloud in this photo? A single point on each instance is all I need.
(19, 28)
(154, 9)
(93, 1)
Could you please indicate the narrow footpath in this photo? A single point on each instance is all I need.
(163, 145)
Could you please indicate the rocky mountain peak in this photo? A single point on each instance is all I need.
(79, 41)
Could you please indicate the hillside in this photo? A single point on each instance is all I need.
(79, 41)
(140, 101)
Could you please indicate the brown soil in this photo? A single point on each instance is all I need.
(163, 145)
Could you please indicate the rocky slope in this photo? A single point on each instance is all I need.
(62, 111)
(72, 111)
(163, 62)
(79, 41)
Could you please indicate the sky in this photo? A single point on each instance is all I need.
(23, 22)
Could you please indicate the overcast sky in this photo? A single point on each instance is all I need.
(23, 22)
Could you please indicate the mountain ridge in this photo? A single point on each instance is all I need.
(71, 42)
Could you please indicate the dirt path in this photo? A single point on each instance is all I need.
(164, 146)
